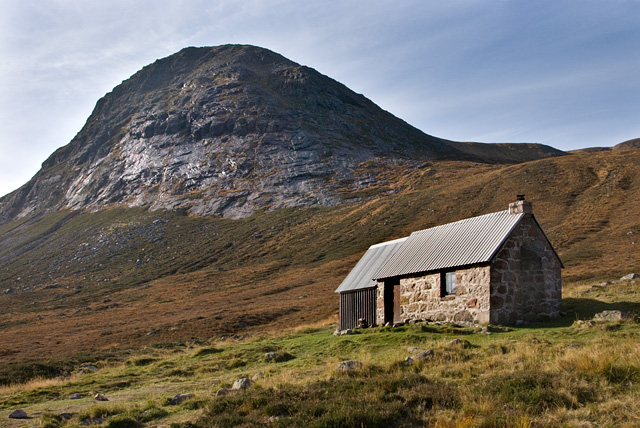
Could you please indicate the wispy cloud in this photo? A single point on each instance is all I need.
(562, 73)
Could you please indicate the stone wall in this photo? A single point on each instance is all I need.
(526, 282)
(420, 297)
(380, 303)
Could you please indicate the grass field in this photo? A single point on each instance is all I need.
(563, 373)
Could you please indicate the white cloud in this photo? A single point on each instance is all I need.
(561, 73)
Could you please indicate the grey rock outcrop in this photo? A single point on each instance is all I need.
(228, 131)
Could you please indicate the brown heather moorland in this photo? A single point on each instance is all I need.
(118, 285)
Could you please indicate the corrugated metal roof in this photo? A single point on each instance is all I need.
(361, 276)
(465, 242)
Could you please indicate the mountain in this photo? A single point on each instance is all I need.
(122, 278)
(231, 130)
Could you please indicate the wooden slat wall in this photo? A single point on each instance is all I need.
(355, 305)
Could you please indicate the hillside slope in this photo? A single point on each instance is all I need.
(125, 277)
(231, 130)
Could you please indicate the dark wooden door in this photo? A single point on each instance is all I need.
(396, 303)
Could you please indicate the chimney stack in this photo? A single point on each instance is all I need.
(520, 206)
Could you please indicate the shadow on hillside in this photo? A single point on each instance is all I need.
(587, 308)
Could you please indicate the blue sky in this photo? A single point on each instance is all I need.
(560, 72)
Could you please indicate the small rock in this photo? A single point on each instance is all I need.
(257, 376)
(612, 316)
(413, 349)
(223, 391)
(458, 342)
(65, 416)
(242, 324)
(398, 324)
(88, 368)
(242, 383)
(423, 355)
(345, 332)
(348, 366)
(179, 398)
(270, 356)
(75, 396)
(9, 291)
(100, 397)
(408, 361)
(629, 277)
(18, 414)
(154, 331)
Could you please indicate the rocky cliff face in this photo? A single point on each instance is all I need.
(227, 131)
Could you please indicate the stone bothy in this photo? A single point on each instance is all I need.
(498, 268)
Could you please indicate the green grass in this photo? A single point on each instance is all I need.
(550, 374)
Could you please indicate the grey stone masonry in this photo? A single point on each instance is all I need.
(420, 297)
(519, 282)
(526, 281)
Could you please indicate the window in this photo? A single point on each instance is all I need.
(448, 283)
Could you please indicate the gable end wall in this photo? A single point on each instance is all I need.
(525, 275)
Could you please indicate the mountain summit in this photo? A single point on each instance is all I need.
(230, 130)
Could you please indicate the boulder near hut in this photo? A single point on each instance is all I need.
(497, 268)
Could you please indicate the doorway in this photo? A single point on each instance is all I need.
(392, 311)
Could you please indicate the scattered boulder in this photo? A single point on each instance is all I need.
(413, 349)
(242, 383)
(179, 398)
(423, 355)
(270, 356)
(242, 324)
(398, 324)
(612, 316)
(278, 357)
(420, 356)
(257, 376)
(348, 366)
(75, 396)
(100, 397)
(88, 368)
(585, 324)
(459, 343)
(9, 291)
(65, 416)
(18, 414)
(223, 391)
(91, 421)
(629, 277)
